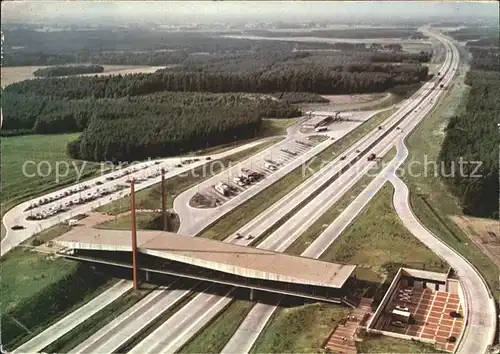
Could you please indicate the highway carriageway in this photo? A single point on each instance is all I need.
(197, 220)
(187, 330)
(150, 268)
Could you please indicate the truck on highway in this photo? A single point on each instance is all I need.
(321, 129)
(371, 157)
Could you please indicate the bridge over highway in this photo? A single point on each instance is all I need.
(203, 259)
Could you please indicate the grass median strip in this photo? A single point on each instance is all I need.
(144, 221)
(150, 198)
(153, 325)
(245, 212)
(215, 335)
(301, 244)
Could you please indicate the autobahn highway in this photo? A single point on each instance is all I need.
(278, 241)
(203, 307)
(155, 341)
(320, 205)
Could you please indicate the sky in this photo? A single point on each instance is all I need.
(36, 11)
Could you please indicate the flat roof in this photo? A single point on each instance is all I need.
(424, 274)
(226, 257)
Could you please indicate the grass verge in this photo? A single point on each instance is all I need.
(91, 325)
(245, 212)
(150, 198)
(378, 241)
(430, 199)
(383, 344)
(39, 289)
(299, 329)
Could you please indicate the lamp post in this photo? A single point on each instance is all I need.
(134, 234)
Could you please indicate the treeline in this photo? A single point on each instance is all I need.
(473, 137)
(354, 78)
(355, 33)
(474, 33)
(127, 47)
(25, 114)
(134, 128)
(265, 61)
(187, 129)
(299, 97)
(68, 70)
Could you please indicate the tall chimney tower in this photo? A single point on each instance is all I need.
(134, 234)
(163, 200)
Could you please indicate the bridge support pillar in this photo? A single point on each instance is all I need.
(147, 275)
(252, 294)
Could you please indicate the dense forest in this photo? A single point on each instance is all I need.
(354, 33)
(257, 73)
(138, 127)
(24, 47)
(187, 129)
(134, 47)
(68, 70)
(43, 115)
(192, 102)
(473, 136)
(475, 33)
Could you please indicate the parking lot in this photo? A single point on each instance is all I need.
(236, 180)
(432, 315)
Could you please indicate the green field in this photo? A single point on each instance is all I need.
(32, 150)
(272, 127)
(383, 344)
(299, 329)
(430, 199)
(378, 241)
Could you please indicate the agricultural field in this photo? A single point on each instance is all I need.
(41, 155)
(485, 233)
(11, 74)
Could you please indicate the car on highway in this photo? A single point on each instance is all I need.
(270, 166)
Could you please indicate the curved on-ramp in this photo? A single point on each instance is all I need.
(480, 326)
